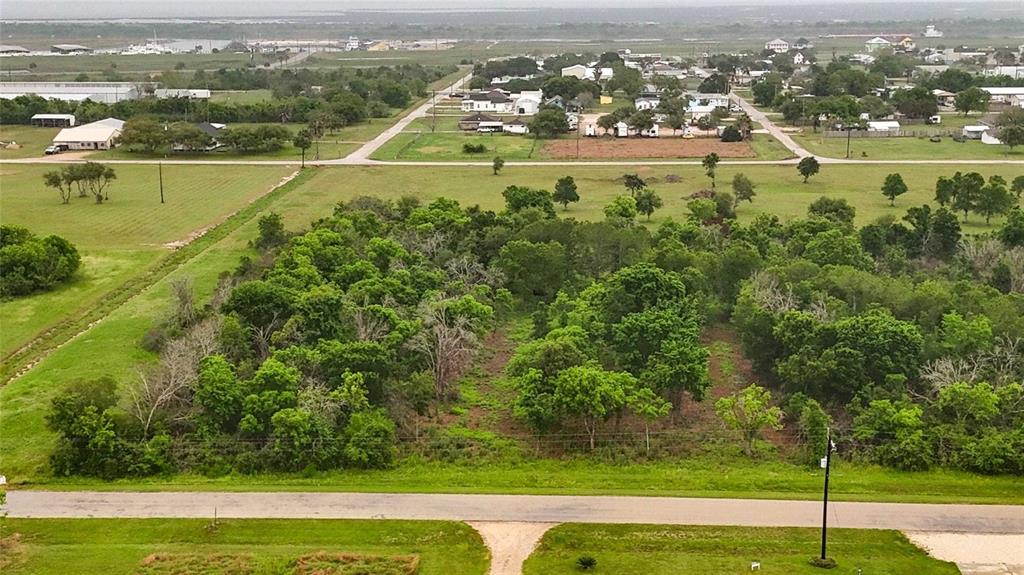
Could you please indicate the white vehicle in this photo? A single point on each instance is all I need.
(735, 108)
(935, 119)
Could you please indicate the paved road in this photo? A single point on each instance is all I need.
(362, 154)
(521, 508)
(759, 116)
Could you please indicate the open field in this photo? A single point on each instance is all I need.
(26, 443)
(162, 546)
(906, 148)
(97, 63)
(119, 239)
(665, 550)
(447, 146)
(30, 139)
(240, 96)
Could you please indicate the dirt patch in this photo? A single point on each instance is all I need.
(510, 543)
(1001, 554)
(626, 148)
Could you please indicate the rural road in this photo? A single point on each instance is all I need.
(363, 153)
(520, 508)
(760, 117)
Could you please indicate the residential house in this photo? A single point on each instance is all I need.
(527, 102)
(931, 32)
(516, 126)
(646, 102)
(578, 71)
(802, 44)
(491, 126)
(210, 129)
(556, 101)
(472, 122)
(777, 45)
(799, 59)
(876, 43)
(945, 99)
(495, 101)
(905, 45)
(714, 100)
(100, 135)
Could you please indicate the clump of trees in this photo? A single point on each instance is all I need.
(88, 179)
(31, 264)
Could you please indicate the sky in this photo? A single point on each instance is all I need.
(89, 9)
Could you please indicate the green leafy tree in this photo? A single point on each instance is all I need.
(966, 192)
(647, 201)
(972, 99)
(750, 412)
(519, 198)
(893, 187)
(650, 408)
(497, 164)
(1012, 232)
(994, 199)
(621, 211)
(593, 395)
(60, 182)
(633, 183)
(303, 140)
(743, 188)
(702, 210)
(533, 269)
(710, 162)
(1017, 187)
(945, 189)
(370, 440)
(145, 134)
(808, 167)
(836, 210)
(566, 192)
(549, 122)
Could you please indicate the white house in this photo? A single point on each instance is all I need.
(876, 43)
(99, 135)
(646, 102)
(621, 130)
(494, 101)
(931, 32)
(715, 100)
(491, 126)
(799, 59)
(777, 45)
(946, 99)
(516, 126)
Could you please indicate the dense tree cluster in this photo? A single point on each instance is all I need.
(351, 94)
(30, 263)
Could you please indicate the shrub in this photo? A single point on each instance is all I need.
(731, 134)
(370, 440)
(586, 563)
(471, 148)
(31, 264)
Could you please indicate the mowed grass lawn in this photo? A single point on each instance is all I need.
(107, 546)
(906, 148)
(120, 238)
(240, 96)
(780, 190)
(670, 549)
(31, 141)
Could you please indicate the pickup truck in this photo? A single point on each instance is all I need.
(55, 149)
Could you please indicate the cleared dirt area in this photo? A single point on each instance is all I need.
(619, 148)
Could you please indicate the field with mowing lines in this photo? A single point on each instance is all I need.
(166, 546)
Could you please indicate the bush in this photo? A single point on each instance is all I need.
(731, 134)
(471, 148)
(370, 440)
(32, 264)
(586, 563)
(826, 563)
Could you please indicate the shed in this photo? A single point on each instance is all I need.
(516, 126)
(621, 130)
(53, 120)
(974, 132)
(884, 126)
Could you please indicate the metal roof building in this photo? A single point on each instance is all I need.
(106, 92)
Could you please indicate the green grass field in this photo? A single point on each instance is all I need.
(93, 64)
(107, 546)
(447, 146)
(240, 96)
(30, 139)
(668, 550)
(118, 239)
(906, 148)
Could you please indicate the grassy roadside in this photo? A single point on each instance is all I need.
(689, 477)
(664, 550)
(104, 546)
(72, 325)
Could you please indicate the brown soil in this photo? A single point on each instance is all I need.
(666, 148)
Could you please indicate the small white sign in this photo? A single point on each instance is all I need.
(824, 462)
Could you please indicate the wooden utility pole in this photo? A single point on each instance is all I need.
(160, 171)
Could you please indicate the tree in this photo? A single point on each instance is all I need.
(647, 201)
(966, 192)
(917, 102)
(565, 192)
(1011, 127)
(743, 188)
(893, 187)
(30, 263)
(731, 134)
(60, 182)
(497, 164)
(592, 394)
(607, 122)
(749, 411)
(519, 198)
(143, 133)
(808, 167)
(994, 199)
(549, 122)
(945, 189)
(836, 210)
(714, 84)
(650, 408)
(621, 211)
(271, 231)
(972, 99)
(97, 178)
(1017, 187)
(303, 140)
(710, 162)
(533, 269)
(370, 440)
(633, 183)
(1012, 232)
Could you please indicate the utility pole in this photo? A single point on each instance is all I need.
(849, 130)
(433, 110)
(827, 464)
(160, 170)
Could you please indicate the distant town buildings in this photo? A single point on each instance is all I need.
(777, 45)
(105, 92)
(931, 32)
(876, 43)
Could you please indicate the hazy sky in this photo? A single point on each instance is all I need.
(63, 9)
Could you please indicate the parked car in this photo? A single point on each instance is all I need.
(935, 119)
(55, 149)
(735, 108)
